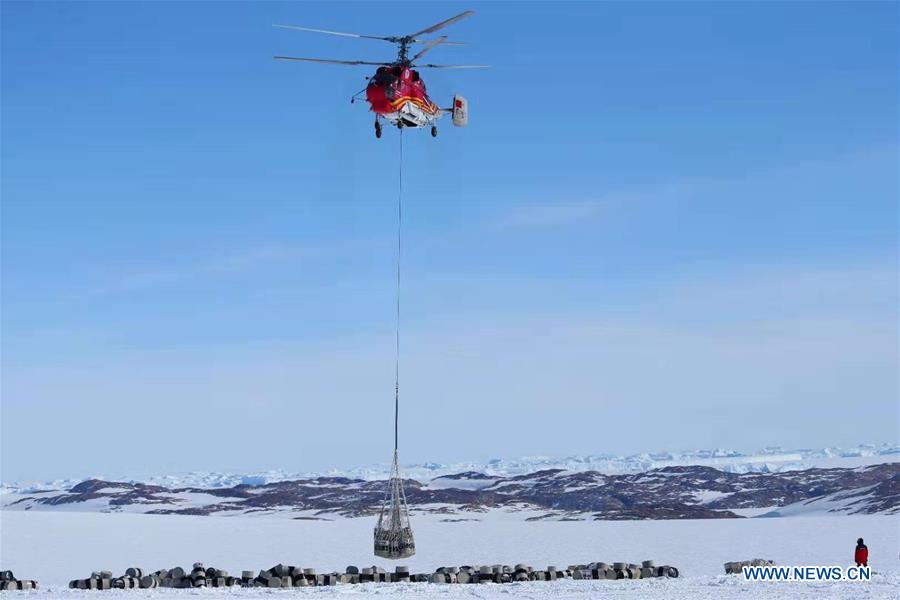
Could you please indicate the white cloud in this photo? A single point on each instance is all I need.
(552, 214)
(765, 188)
(791, 357)
(192, 268)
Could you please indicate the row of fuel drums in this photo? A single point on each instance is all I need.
(521, 572)
(281, 576)
(8, 582)
(135, 577)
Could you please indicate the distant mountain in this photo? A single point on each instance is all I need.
(767, 460)
(675, 492)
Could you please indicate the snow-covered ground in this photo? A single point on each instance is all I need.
(56, 547)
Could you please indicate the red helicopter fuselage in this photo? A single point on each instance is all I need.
(398, 93)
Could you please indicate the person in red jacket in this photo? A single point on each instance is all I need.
(861, 556)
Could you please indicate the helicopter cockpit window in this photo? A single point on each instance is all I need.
(414, 75)
(383, 75)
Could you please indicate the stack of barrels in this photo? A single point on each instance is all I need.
(9, 582)
(620, 570)
(177, 577)
(522, 572)
(289, 576)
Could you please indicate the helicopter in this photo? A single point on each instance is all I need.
(396, 92)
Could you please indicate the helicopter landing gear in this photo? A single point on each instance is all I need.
(377, 129)
(434, 131)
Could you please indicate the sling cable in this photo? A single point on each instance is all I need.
(393, 533)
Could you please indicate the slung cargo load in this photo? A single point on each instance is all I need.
(393, 533)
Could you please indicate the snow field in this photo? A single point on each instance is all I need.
(53, 548)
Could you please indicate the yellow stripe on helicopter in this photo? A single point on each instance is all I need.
(426, 105)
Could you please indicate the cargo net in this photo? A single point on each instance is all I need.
(393, 534)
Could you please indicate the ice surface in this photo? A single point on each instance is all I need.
(55, 547)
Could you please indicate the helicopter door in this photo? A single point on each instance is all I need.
(460, 111)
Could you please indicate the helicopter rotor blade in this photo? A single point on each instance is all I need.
(443, 24)
(329, 61)
(429, 46)
(446, 43)
(340, 33)
(431, 66)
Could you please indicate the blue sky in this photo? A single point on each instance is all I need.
(668, 225)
